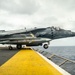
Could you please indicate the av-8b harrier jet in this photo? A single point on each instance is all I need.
(33, 37)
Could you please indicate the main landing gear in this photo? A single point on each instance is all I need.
(10, 47)
(19, 46)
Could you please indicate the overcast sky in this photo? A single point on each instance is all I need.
(17, 14)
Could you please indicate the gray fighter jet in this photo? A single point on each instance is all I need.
(33, 37)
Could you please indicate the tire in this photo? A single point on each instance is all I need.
(45, 46)
(19, 46)
(10, 48)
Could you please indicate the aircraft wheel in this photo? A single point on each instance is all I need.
(10, 48)
(45, 46)
(19, 46)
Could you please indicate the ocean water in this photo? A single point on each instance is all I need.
(63, 51)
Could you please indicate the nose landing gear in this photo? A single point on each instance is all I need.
(45, 46)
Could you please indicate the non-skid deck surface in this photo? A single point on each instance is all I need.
(27, 62)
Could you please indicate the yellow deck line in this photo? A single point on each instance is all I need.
(27, 62)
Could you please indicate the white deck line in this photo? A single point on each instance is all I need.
(62, 71)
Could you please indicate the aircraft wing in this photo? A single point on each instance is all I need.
(49, 32)
(15, 32)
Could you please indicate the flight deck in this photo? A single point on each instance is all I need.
(29, 62)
